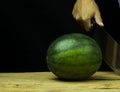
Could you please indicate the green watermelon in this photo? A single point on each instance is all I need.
(74, 56)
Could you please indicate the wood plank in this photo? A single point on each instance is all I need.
(48, 82)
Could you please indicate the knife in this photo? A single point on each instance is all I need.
(109, 46)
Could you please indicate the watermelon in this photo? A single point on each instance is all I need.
(74, 56)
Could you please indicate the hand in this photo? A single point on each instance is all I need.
(84, 10)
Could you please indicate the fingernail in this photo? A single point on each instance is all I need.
(101, 24)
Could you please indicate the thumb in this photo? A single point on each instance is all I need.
(98, 18)
(87, 25)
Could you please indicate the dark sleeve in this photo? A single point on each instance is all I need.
(119, 3)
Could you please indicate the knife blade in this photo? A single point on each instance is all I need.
(109, 46)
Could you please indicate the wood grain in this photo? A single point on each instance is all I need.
(48, 82)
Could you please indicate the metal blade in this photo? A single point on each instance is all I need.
(110, 48)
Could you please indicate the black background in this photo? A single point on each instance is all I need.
(28, 27)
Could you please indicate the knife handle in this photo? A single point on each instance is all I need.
(94, 25)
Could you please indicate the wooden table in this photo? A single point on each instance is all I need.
(48, 82)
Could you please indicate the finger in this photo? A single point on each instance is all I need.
(75, 12)
(98, 18)
(87, 24)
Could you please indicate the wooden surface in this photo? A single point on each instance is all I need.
(47, 82)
